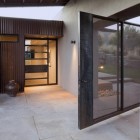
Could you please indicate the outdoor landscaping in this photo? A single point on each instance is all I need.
(128, 72)
(108, 59)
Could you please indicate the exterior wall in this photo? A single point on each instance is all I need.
(68, 53)
(12, 54)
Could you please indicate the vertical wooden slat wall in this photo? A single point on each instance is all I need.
(12, 54)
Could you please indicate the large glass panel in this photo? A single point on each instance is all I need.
(37, 48)
(35, 42)
(8, 38)
(52, 61)
(36, 75)
(36, 82)
(40, 55)
(131, 65)
(36, 62)
(105, 67)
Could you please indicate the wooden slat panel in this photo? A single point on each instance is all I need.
(36, 68)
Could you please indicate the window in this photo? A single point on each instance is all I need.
(8, 38)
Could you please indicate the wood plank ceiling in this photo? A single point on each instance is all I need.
(21, 3)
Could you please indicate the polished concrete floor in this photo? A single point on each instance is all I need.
(50, 113)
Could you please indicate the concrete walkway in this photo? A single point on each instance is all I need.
(50, 113)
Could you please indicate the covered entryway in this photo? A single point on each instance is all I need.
(29, 38)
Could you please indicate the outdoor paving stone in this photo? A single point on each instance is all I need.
(125, 80)
(39, 109)
(15, 111)
(121, 127)
(128, 125)
(42, 89)
(53, 129)
(60, 138)
(42, 120)
(65, 107)
(53, 115)
(101, 135)
(6, 100)
(104, 76)
(56, 124)
(57, 127)
(66, 102)
(18, 129)
(104, 131)
(47, 96)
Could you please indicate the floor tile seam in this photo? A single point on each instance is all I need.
(56, 136)
(124, 116)
(19, 117)
(36, 127)
(119, 116)
(40, 127)
(26, 99)
(71, 138)
(120, 131)
(126, 119)
(64, 111)
(54, 100)
(56, 113)
(56, 91)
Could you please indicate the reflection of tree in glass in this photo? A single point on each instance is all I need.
(100, 39)
(131, 40)
(131, 36)
(104, 38)
(114, 39)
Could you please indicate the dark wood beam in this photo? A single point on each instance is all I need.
(21, 3)
(128, 13)
(41, 1)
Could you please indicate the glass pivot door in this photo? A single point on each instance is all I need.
(99, 69)
(109, 65)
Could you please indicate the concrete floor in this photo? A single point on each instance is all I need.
(50, 113)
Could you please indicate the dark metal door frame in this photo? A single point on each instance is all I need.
(85, 95)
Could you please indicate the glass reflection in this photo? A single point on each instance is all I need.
(105, 67)
(131, 65)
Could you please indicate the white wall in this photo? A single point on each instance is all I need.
(68, 53)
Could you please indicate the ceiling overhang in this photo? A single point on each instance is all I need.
(128, 13)
(28, 3)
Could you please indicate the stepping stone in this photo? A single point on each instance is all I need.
(105, 76)
(125, 80)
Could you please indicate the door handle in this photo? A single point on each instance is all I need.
(83, 81)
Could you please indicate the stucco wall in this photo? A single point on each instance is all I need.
(68, 53)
